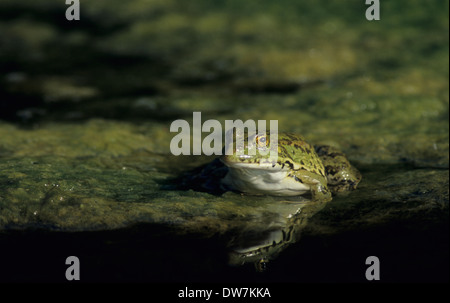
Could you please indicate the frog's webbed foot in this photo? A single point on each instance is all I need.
(317, 185)
(320, 193)
(341, 175)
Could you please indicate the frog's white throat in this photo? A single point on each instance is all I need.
(263, 180)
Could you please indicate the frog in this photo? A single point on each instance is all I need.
(297, 169)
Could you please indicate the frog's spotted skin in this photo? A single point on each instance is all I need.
(297, 169)
(341, 175)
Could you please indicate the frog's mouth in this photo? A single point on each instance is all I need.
(261, 165)
(262, 178)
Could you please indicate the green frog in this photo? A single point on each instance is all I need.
(297, 169)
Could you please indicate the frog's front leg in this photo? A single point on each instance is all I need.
(320, 193)
(317, 183)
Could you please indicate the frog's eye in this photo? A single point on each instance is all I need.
(261, 141)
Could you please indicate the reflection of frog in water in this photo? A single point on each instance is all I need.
(298, 168)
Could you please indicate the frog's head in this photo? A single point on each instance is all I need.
(256, 150)
(265, 162)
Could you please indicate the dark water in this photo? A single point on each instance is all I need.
(154, 254)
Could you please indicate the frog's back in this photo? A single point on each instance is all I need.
(299, 154)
